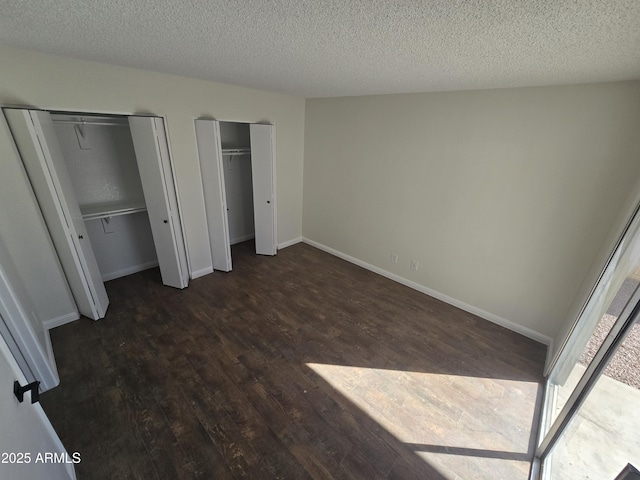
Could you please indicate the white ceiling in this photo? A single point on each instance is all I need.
(319, 48)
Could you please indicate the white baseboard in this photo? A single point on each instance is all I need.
(527, 332)
(128, 271)
(61, 320)
(288, 243)
(201, 273)
(242, 238)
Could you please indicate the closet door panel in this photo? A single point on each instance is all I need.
(172, 200)
(22, 328)
(154, 165)
(263, 178)
(212, 171)
(37, 143)
(59, 173)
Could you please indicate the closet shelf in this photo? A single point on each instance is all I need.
(236, 151)
(106, 210)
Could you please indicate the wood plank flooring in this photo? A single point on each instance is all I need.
(292, 367)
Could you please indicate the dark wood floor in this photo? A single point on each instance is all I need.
(295, 366)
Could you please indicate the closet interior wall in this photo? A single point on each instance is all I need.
(238, 181)
(101, 162)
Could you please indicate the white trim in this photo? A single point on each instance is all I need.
(201, 273)
(547, 407)
(549, 403)
(550, 355)
(52, 357)
(128, 271)
(242, 238)
(15, 318)
(534, 472)
(274, 186)
(522, 330)
(288, 243)
(61, 320)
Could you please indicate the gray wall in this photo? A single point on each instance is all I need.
(503, 196)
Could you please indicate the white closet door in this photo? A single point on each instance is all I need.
(156, 174)
(263, 148)
(22, 328)
(215, 197)
(26, 429)
(37, 143)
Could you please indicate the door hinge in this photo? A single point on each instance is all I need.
(19, 390)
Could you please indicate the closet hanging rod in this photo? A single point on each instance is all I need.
(236, 151)
(96, 212)
(84, 122)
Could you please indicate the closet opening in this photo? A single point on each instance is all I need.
(237, 164)
(101, 160)
(235, 141)
(106, 190)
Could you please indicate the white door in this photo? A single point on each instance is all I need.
(35, 137)
(22, 329)
(156, 174)
(215, 197)
(27, 432)
(263, 156)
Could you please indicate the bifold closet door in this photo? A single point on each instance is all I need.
(154, 164)
(21, 327)
(215, 197)
(37, 143)
(264, 188)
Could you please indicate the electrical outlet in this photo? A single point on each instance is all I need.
(394, 258)
(414, 265)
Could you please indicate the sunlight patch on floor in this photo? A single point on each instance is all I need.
(460, 425)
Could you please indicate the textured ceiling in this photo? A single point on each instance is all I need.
(317, 48)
